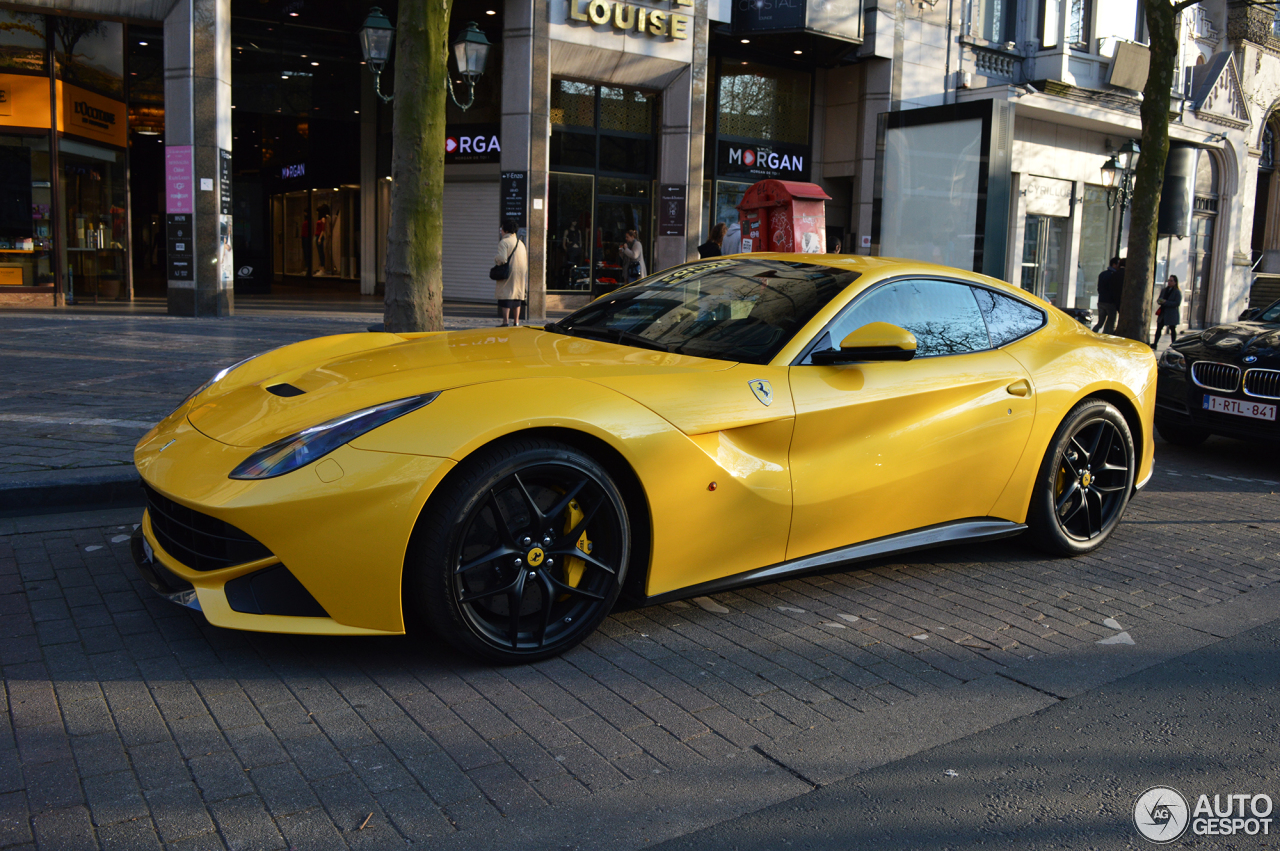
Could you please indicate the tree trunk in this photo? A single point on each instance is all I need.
(415, 243)
(1134, 319)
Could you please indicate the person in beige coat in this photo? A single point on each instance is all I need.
(511, 291)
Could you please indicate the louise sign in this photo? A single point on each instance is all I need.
(629, 16)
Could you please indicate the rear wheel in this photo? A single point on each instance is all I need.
(1181, 435)
(1084, 481)
(522, 553)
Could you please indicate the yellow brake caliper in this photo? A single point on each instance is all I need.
(574, 567)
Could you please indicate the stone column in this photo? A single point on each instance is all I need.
(683, 147)
(197, 99)
(526, 126)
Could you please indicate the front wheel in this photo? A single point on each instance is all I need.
(522, 553)
(1084, 482)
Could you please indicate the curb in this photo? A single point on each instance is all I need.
(39, 492)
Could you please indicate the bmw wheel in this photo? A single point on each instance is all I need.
(523, 552)
(1084, 482)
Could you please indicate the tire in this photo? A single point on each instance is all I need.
(531, 528)
(1084, 482)
(1181, 435)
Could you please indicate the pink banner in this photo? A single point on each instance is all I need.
(179, 179)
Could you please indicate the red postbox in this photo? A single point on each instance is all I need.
(783, 215)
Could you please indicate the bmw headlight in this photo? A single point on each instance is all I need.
(312, 444)
(1173, 359)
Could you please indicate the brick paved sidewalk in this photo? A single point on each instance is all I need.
(79, 389)
(129, 722)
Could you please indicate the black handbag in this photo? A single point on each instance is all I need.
(503, 270)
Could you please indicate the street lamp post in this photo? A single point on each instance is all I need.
(470, 52)
(1117, 177)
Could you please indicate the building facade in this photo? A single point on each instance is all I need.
(202, 148)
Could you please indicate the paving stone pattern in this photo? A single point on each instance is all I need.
(131, 723)
(78, 390)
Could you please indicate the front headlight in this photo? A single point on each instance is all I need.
(312, 444)
(1173, 359)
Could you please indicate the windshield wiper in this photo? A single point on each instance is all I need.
(609, 335)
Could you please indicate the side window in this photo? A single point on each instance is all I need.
(1007, 318)
(943, 316)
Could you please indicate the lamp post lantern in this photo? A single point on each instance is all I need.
(470, 53)
(1117, 177)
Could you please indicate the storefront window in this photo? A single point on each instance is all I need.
(91, 158)
(602, 153)
(1097, 245)
(728, 195)
(763, 102)
(25, 208)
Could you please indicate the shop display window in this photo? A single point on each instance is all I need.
(26, 227)
(317, 232)
(1097, 244)
(763, 102)
(92, 183)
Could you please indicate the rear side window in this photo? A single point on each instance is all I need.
(1007, 319)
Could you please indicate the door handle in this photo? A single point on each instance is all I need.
(1021, 387)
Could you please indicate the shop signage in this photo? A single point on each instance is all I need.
(91, 116)
(515, 192)
(180, 254)
(1047, 196)
(755, 15)
(671, 201)
(295, 170)
(788, 162)
(629, 16)
(6, 100)
(179, 177)
(472, 143)
(224, 181)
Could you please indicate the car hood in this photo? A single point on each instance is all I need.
(333, 376)
(1234, 341)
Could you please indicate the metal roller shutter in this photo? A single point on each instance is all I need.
(470, 240)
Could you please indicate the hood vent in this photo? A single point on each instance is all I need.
(285, 390)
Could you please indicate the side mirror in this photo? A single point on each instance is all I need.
(875, 341)
(1250, 314)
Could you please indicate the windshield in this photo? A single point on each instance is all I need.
(740, 310)
(1271, 314)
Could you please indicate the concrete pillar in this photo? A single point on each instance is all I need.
(197, 96)
(683, 148)
(526, 129)
(368, 185)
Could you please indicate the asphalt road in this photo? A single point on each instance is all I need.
(1206, 723)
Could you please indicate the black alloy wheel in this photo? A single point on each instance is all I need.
(1084, 482)
(524, 554)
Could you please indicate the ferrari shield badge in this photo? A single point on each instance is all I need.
(762, 389)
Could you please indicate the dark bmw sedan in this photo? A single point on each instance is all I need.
(1224, 380)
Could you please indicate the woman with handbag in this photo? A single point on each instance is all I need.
(511, 272)
(1169, 313)
(631, 255)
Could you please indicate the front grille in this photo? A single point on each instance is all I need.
(197, 540)
(1262, 382)
(1216, 376)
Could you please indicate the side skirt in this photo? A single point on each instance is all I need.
(959, 531)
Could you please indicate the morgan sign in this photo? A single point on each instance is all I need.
(786, 162)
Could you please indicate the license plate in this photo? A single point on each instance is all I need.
(1240, 408)
(147, 551)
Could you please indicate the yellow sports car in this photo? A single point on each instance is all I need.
(722, 423)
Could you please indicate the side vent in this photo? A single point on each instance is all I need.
(285, 390)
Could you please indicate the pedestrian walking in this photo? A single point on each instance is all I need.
(711, 248)
(511, 289)
(1110, 285)
(732, 243)
(1169, 313)
(631, 253)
